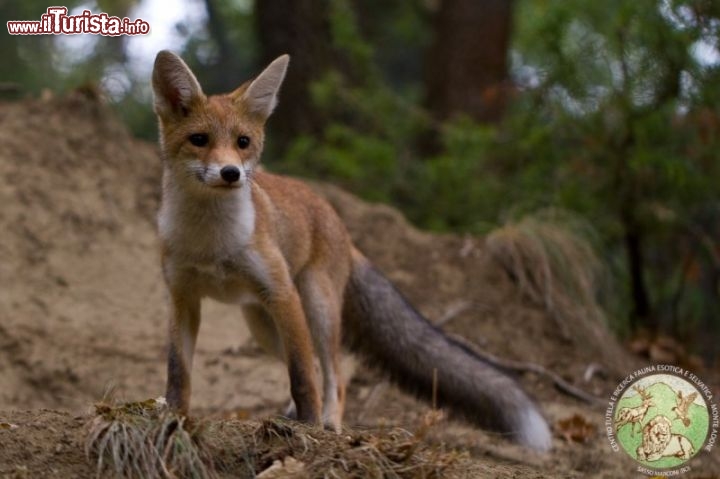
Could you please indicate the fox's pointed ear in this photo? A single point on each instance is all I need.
(176, 88)
(260, 97)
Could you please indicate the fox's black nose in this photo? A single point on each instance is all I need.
(230, 173)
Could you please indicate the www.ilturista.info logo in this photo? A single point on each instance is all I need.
(56, 21)
(662, 416)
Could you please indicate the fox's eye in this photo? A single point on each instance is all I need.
(199, 139)
(243, 141)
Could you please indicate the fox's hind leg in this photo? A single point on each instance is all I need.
(323, 304)
(263, 330)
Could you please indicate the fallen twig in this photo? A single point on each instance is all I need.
(453, 311)
(523, 366)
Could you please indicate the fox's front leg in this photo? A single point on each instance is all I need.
(183, 329)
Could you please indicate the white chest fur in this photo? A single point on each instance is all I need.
(208, 242)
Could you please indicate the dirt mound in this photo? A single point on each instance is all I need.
(82, 305)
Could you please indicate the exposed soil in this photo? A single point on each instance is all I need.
(82, 310)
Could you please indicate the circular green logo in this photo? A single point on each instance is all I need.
(661, 419)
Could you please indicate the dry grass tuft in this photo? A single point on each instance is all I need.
(144, 439)
(551, 258)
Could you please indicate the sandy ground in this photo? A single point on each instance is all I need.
(82, 310)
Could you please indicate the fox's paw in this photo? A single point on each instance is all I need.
(332, 424)
(291, 411)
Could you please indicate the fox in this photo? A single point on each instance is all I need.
(233, 232)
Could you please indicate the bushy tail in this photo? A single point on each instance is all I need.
(390, 334)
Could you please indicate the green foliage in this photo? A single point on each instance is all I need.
(347, 158)
(369, 149)
(346, 37)
(625, 97)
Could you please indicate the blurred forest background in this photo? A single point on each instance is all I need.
(592, 120)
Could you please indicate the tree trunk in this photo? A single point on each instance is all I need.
(302, 29)
(466, 66)
(641, 314)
